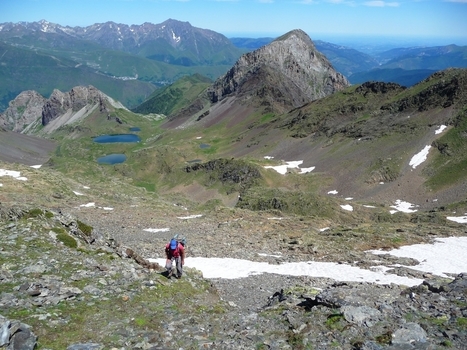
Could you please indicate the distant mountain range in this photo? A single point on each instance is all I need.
(130, 62)
(126, 62)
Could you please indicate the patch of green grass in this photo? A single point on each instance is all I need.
(58, 229)
(85, 228)
(141, 322)
(67, 240)
(440, 320)
(150, 187)
(363, 117)
(34, 213)
(461, 322)
(446, 343)
(267, 117)
(449, 164)
(336, 322)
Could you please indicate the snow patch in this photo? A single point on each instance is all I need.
(459, 219)
(189, 217)
(444, 256)
(347, 207)
(222, 268)
(282, 169)
(420, 157)
(440, 129)
(155, 230)
(402, 206)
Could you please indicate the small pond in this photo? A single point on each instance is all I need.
(117, 138)
(135, 129)
(204, 145)
(112, 159)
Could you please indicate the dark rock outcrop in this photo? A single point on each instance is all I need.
(16, 335)
(434, 92)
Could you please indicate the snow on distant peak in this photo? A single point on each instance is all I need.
(174, 37)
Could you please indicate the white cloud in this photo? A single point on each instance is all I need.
(380, 3)
(342, 2)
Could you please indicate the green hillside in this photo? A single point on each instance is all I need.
(23, 69)
(127, 78)
(170, 99)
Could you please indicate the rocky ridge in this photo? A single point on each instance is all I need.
(22, 111)
(286, 73)
(29, 108)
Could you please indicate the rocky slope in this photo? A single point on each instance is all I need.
(284, 74)
(77, 278)
(22, 111)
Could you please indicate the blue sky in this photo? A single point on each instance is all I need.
(432, 19)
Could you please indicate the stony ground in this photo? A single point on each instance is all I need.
(116, 302)
(259, 312)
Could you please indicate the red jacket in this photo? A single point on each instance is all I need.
(175, 253)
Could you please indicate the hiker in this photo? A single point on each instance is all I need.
(174, 251)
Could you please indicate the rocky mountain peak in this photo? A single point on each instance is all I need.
(287, 73)
(78, 98)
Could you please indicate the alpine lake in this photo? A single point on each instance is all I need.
(116, 158)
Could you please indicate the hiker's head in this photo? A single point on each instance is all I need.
(173, 244)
